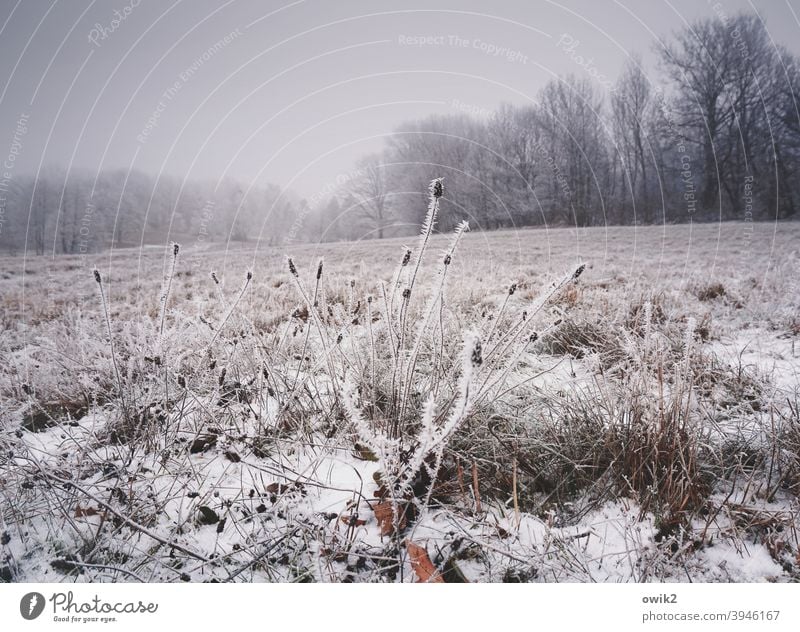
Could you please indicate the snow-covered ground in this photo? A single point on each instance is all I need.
(650, 433)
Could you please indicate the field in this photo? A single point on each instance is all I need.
(491, 414)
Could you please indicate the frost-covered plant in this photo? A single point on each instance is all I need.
(404, 457)
(406, 390)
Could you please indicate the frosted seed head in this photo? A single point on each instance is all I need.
(579, 271)
(512, 289)
(292, 267)
(437, 188)
(477, 353)
(96, 275)
(175, 248)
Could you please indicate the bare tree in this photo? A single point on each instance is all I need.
(699, 65)
(371, 193)
(630, 111)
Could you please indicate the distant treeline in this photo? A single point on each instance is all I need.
(82, 213)
(712, 133)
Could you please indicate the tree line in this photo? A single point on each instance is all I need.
(81, 212)
(713, 133)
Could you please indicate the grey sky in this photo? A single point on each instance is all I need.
(294, 91)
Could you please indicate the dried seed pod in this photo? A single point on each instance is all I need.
(477, 353)
(437, 188)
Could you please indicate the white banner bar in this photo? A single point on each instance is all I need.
(381, 608)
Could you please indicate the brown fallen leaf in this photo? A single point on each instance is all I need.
(385, 517)
(363, 453)
(87, 512)
(354, 521)
(422, 565)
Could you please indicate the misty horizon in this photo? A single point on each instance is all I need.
(295, 93)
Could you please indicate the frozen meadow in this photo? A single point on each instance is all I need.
(455, 407)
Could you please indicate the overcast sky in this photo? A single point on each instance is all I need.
(293, 92)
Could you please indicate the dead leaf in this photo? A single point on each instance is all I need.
(207, 515)
(232, 456)
(80, 512)
(203, 443)
(422, 565)
(385, 517)
(363, 453)
(354, 521)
